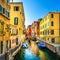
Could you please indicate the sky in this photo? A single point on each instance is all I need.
(36, 9)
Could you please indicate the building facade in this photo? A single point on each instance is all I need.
(35, 29)
(50, 30)
(17, 17)
(17, 21)
(28, 31)
(13, 36)
(12, 25)
(4, 28)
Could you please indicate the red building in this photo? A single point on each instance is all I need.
(28, 31)
(35, 28)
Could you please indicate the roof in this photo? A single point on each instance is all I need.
(16, 2)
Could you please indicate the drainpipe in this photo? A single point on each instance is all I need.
(59, 24)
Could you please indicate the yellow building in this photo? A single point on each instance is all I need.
(17, 17)
(4, 26)
(13, 36)
(50, 28)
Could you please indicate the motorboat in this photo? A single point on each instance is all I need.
(41, 44)
(25, 45)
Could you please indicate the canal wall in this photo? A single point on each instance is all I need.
(55, 48)
(14, 52)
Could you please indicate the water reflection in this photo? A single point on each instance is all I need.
(32, 52)
(34, 48)
(35, 53)
(29, 56)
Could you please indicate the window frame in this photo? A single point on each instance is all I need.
(16, 21)
(52, 32)
(52, 15)
(52, 23)
(53, 40)
(16, 8)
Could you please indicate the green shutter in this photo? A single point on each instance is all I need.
(16, 21)
(8, 14)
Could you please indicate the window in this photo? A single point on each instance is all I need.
(16, 8)
(7, 44)
(1, 47)
(0, 8)
(10, 44)
(1, 28)
(52, 31)
(8, 14)
(48, 31)
(52, 23)
(52, 15)
(3, 10)
(53, 40)
(16, 41)
(43, 32)
(15, 21)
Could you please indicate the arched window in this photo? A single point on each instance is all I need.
(16, 21)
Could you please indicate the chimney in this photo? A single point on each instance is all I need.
(56, 11)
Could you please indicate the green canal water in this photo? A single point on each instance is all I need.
(44, 54)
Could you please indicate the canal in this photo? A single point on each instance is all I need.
(33, 52)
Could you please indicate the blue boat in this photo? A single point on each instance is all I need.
(25, 45)
(41, 44)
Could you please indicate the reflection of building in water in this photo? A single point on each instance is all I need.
(34, 48)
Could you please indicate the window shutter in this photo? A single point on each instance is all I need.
(15, 21)
(0, 9)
